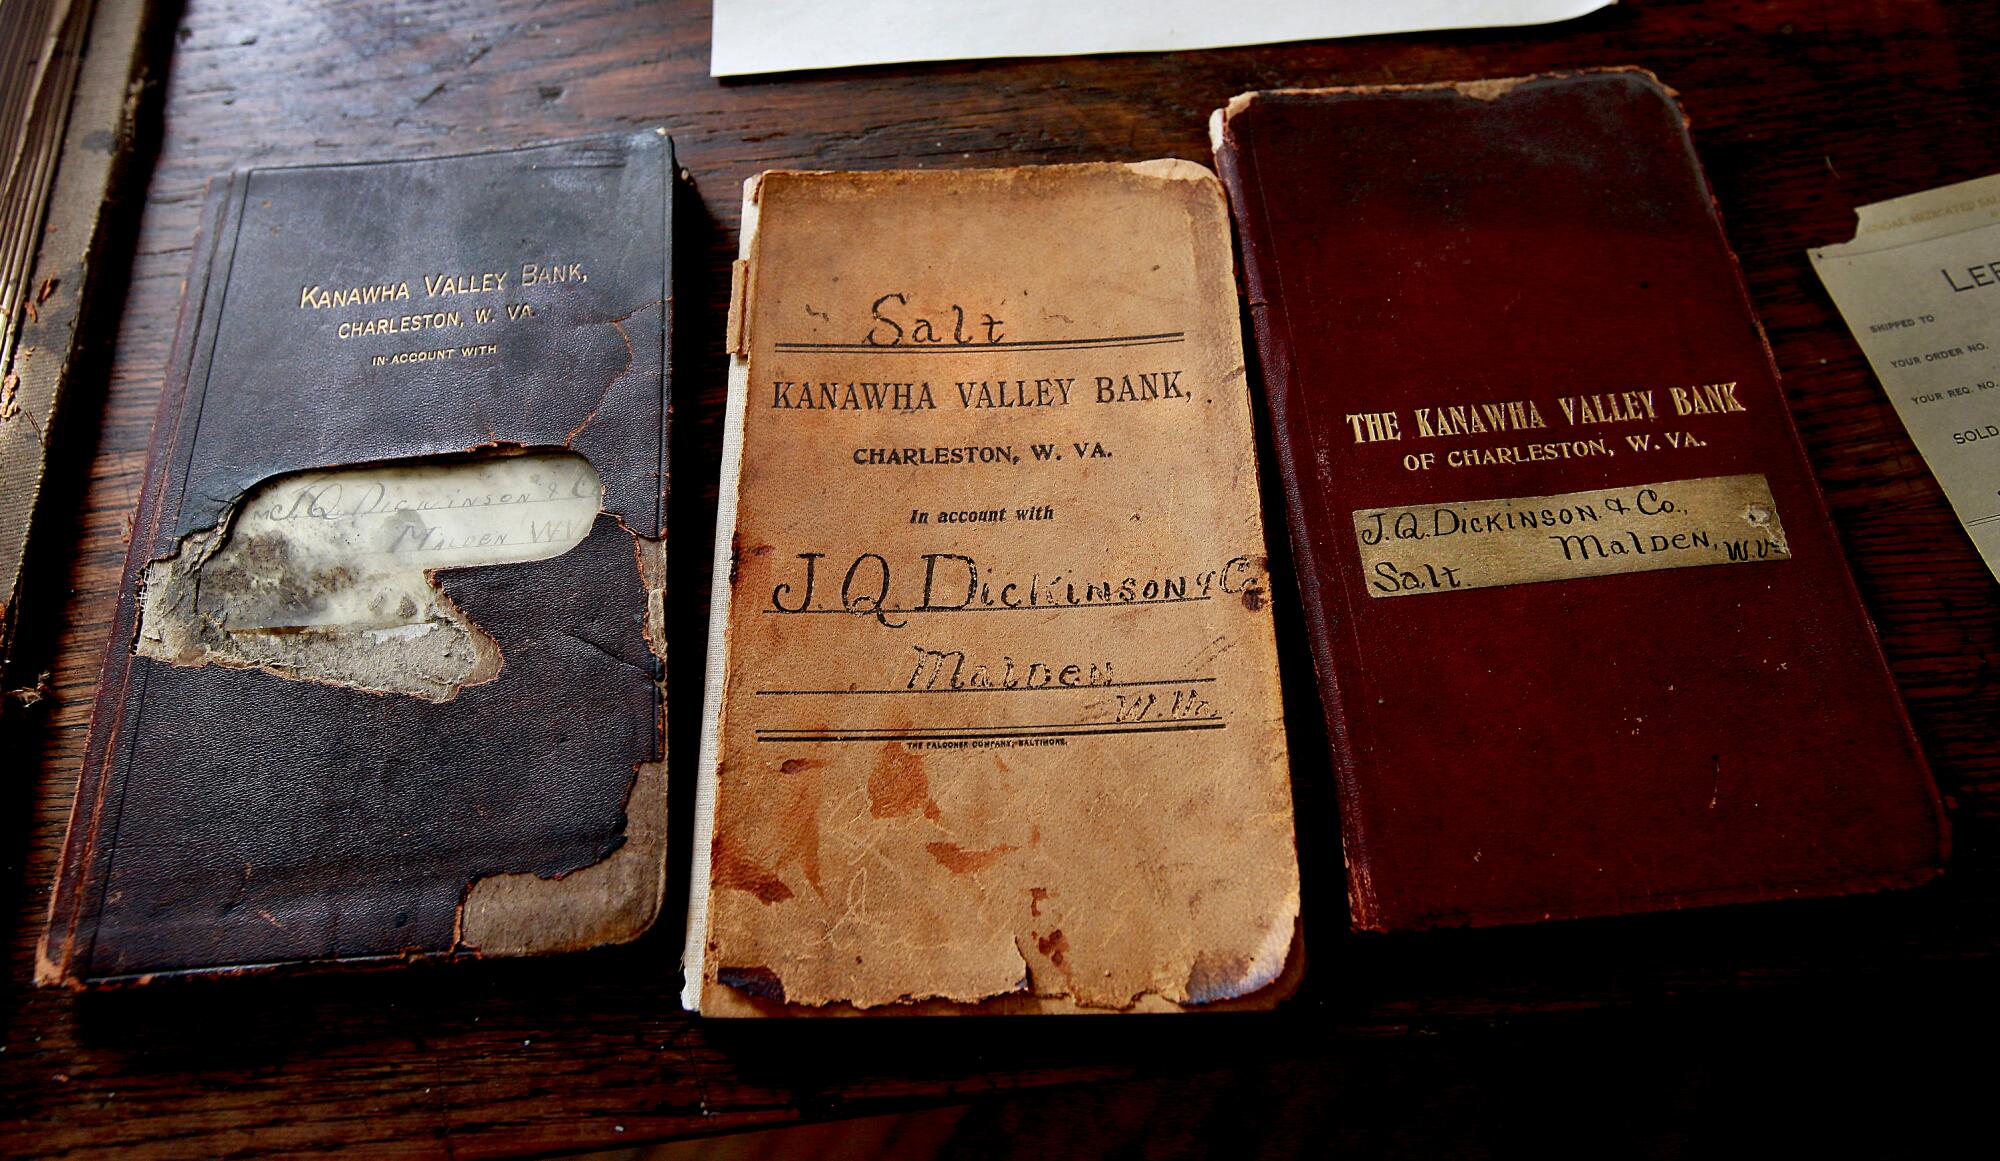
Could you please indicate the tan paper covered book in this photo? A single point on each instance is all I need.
(993, 718)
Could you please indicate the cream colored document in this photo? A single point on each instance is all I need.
(1920, 288)
(770, 36)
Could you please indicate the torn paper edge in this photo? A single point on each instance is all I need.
(616, 899)
(1923, 216)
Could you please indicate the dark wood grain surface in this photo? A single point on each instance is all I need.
(1801, 110)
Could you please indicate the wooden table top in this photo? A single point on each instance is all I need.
(1801, 110)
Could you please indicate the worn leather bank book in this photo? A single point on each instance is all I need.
(1582, 628)
(993, 720)
(386, 679)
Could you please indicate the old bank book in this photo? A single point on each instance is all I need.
(993, 715)
(1583, 632)
(386, 678)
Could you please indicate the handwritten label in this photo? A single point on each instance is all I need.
(1478, 544)
(350, 547)
(327, 575)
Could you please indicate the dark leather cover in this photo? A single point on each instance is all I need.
(1589, 746)
(228, 819)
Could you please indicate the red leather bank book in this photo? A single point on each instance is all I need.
(1582, 628)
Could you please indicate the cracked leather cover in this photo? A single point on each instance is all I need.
(233, 818)
(1522, 739)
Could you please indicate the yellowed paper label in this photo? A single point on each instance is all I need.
(328, 574)
(1480, 544)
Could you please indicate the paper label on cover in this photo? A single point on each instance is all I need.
(1920, 288)
(331, 574)
(1480, 544)
(767, 36)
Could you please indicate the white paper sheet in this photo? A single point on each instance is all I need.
(769, 36)
(1920, 288)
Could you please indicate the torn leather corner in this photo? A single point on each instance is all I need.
(616, 899)
(611, 901)
(1487, 90)
(1237, 104)
(329, 575)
